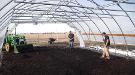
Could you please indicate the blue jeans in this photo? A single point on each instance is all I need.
(71, 44)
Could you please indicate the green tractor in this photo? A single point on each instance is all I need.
(16, 44)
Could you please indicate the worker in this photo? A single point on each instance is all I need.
(71, 39)
(106, 41)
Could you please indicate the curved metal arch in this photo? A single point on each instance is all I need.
(6, 18)
(90, 19)
(127, 15)
(82, 44)
(77, 23)
(27, 6)
(57, 8)
(104, 24)
(117, 25)
(66, 5)
(5, 25)
(9, 21)
(7, 15)
(76, 29)
(6, 4)
(38, 6)
(9, 11)
(81, 27)
(24, 7)
(75, 20)
(86, 25)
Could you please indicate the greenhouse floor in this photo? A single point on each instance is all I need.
(64, 61)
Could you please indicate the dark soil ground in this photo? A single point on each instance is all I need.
(64, 61)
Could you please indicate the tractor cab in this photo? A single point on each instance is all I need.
(20, 39)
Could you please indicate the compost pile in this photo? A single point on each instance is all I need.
(64, 61)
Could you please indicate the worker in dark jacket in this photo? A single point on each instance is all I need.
(71, 39)
(106, 41)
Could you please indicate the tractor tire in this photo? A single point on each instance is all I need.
(22, 43)
(7, 47)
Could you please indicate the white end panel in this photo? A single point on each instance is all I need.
(80, 38)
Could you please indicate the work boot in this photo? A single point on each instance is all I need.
(102, 57)
(108, 58)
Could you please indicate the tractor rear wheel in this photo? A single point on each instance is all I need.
(7, 47)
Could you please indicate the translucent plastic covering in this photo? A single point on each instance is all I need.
(91, 17)
(2, 36)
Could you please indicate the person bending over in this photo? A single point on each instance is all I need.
(106, 41)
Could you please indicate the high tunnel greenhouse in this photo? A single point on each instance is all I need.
(89, 19)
